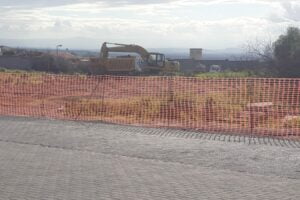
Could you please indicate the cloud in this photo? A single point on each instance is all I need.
(286, 12)
(118, 3)
(291, 10)
(51, 3)
(153, 23)
(275, 18)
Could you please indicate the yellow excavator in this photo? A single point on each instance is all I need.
(142, 62)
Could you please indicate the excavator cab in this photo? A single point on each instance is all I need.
(156, 60)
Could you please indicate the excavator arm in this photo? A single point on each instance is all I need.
(123, 48)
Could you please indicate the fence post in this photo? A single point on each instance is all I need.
(170, 99)
(103, 80)
(250, 88)
(43, 96)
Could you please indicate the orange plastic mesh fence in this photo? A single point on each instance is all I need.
(266, 107)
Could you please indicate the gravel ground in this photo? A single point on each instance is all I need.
(48, 159)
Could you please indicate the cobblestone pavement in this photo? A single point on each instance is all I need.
(46, 159)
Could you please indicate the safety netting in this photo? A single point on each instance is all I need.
(256, 106)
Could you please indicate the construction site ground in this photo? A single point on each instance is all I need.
(49, 159)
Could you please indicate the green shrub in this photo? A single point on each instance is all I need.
(226, 74)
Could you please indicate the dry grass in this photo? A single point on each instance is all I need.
(292, 123)
(180, 107)
(21, 78)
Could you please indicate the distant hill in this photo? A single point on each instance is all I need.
(172, 53)
(182, 53)
(208, 54)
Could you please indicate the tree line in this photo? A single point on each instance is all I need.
(282, 57)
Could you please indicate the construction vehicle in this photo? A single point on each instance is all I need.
(145, 62)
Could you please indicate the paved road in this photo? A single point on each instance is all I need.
(45, 159)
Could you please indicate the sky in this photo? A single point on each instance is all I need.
(85, 24)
